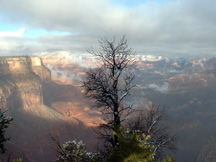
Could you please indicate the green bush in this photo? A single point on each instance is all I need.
(4, 123)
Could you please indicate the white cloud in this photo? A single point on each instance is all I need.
(18, 33)
(162, 88)
(180, 27)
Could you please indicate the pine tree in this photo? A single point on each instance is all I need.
(4, 123)
(133, 147)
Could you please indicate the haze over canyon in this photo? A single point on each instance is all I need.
(44, 96)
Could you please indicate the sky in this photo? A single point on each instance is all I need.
(171, 28)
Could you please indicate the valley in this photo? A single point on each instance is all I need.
(44, 96)
(185, 86)
(41, 107)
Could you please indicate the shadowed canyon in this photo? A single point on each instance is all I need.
(41, 107)
(44, 97)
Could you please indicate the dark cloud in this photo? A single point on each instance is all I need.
(175, 28)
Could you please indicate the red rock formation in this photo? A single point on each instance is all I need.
(38, 107)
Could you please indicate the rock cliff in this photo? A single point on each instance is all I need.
(41, 107)
(20, 81)
(208, 153)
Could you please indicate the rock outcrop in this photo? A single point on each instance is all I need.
(20, 81)
(41, 107)
(208, 153)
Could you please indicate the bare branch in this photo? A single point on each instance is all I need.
(109, 84)
(148, 121)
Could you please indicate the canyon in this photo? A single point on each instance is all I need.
(44, 97)
(186, 87)
(40, 108)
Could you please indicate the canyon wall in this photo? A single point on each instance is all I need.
(20, 81)
(41, 107)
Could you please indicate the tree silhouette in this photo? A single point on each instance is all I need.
(110, 83)
(4, 123)
(150, 121)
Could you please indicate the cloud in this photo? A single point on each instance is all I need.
(162, 88)
(172, 28)
(18, 33)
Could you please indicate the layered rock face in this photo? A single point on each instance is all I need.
(20, 81)
(41, 107)
(38, 68)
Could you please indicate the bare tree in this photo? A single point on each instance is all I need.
(110, 83)
(150, 122)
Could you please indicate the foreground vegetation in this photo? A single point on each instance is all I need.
(128, 135)
(125, 139)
